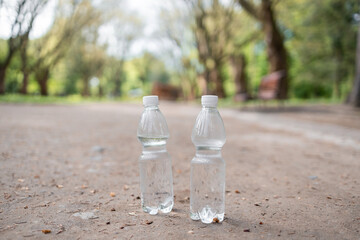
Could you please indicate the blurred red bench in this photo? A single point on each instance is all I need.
(165, 91)
(269, 86)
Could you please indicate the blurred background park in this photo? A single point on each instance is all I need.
(240, 50)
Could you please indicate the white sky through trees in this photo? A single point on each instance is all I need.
(146, 10)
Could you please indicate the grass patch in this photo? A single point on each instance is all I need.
(71, 99)
(227, 102)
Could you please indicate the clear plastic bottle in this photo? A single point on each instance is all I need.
(156, 180)
(207, 183)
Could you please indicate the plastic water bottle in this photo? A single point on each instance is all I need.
(207, 183)
(156, 180)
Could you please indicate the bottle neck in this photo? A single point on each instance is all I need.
(151, 107)
(152, 149)
(209, 107)
(208, 151)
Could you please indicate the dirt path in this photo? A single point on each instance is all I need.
(297, 171)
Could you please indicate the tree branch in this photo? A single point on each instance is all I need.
(249, 8)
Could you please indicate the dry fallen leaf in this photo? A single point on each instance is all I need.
(127, 225)
(46, 231)
(112, 194)
(7, 195)
(62, 228)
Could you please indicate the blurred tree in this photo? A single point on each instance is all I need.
(176, 33)
(334, 20)
(354, 97)
(321, 39)
(242, 37)
(87, 59)
(238, 64)
(127, 29)
(276, 51)
(71, 19)
(25, 14)
(213, 33)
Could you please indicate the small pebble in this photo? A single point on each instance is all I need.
(46, 231)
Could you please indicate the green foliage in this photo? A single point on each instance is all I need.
(320, 38)
(311, 89)
(322, 45)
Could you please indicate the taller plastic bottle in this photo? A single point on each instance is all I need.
(156, 180)
(207, 183)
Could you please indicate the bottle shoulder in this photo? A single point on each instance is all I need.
(152, 125)
(208, 160)
(209, 129)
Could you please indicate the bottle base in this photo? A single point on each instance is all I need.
(165, 207)
(206, 215)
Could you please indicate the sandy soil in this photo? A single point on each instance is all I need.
(292, 173)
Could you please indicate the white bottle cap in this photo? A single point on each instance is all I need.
(152, 100)
(209, 100)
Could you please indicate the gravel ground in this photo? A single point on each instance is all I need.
(71, 172)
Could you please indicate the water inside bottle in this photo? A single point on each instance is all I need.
(155, 176)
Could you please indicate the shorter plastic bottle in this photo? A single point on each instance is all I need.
(156, 180)
(207, 183)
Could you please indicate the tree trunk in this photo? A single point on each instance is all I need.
(101, 91)
(43, 87)
(25, 82)
(2, 80)
(354, 98)
(238, 64)
(42, 76)
(3, 68)
(339, 70)
(117, 87)
(119, 77)
(276, 51)
(219, 82)
(24, 67)
(201, 82)
(86, 87)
